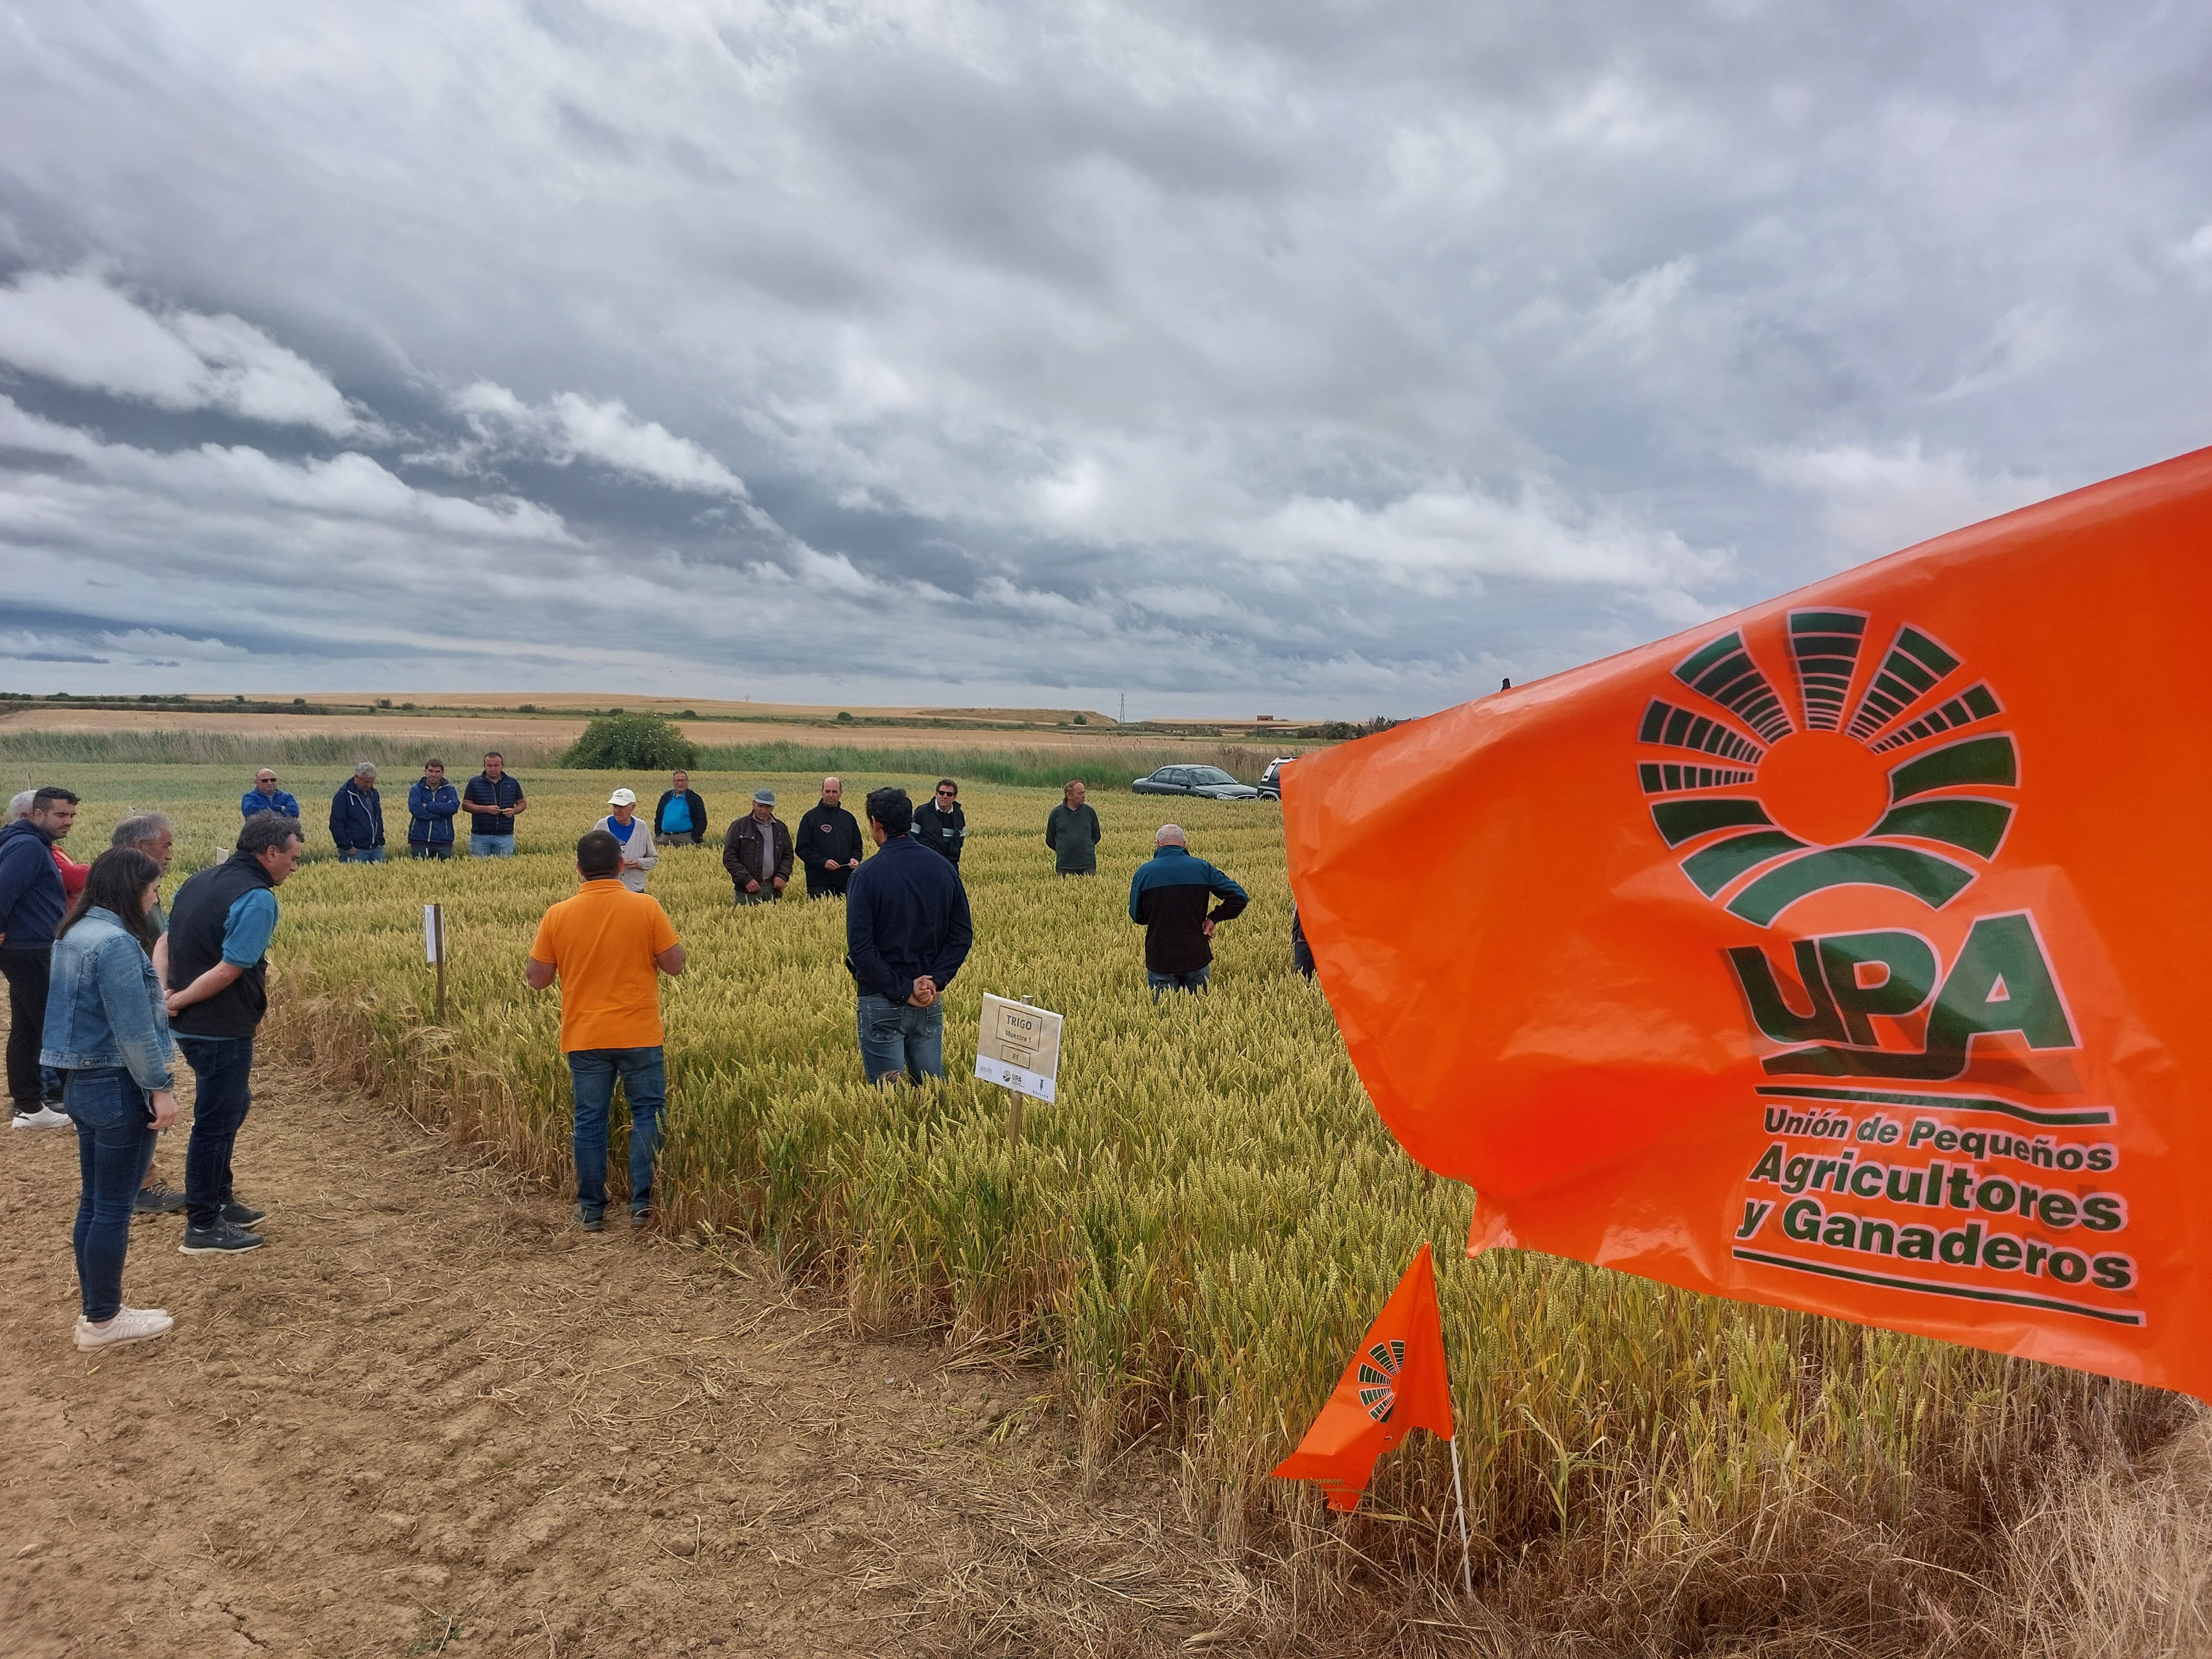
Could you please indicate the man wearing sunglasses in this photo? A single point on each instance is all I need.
(266, 797)
(940, 824)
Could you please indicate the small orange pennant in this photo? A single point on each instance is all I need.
(1394, 1385)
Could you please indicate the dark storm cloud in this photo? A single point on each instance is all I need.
(1326, 358)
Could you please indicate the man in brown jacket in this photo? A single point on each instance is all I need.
(756, 852)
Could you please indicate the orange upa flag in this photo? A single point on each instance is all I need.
(1851, 953)
(1394, 1385)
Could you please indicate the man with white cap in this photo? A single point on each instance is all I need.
(756, 852)
(638, 851)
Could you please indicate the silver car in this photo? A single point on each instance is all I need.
(1210, 781)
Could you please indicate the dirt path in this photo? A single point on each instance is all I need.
(432, 1417)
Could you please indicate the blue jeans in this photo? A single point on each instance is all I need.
(898, 1039)
(1162, 983)
(361, 855)
(644, 1073)
(427, 849)
(114, 1145)
(223, 1068)
(491, 846)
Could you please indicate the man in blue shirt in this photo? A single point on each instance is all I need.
(1169, 897)
(493, 801)
(266, 797)
(680, 815)
(219, 932)
(907, 932)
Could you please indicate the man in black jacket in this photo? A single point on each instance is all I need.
(680, 801)
(940, 824)
(828, 843)
(219, 932)
(31, 906)
(1178, 899)
(907, 932)
(756, 852)
(357, 818)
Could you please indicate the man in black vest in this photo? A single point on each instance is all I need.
(828, 843)
(219, 932)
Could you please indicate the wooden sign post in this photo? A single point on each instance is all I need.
(434, 947)
(1018, 1049)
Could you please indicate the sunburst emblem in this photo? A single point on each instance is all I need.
(1378, 1379)
(1774, 801)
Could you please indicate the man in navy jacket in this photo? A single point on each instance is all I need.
(357, 818)
(907, 932)
(266, 797)
(31, 903)
(431, 804)
(1169, 897)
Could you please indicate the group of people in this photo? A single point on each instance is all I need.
(493, 800)
(107, 988)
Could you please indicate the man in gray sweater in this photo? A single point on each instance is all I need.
(1073, 835)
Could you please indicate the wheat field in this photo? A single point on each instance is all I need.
(1195, 1233)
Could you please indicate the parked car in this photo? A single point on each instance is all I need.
(1210, 781)
(1271, 781)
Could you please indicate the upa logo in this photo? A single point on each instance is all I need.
(1773, 793)
(1774, 787)
(1378, 1379)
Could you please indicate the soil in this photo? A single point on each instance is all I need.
(432, 1416)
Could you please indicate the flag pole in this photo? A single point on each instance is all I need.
(1466, 1564)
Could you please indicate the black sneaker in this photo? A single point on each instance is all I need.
(243, 1215)
(641, 1218)
(159, 1199)
(590, 1223)
(221, 1239)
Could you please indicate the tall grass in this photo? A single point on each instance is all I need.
(1103, 765)
(194, 745)
(1196, 1233)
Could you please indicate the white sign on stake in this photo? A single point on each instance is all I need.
(433, 932)
(1018, 1047)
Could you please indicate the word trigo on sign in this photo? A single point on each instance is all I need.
(1018, 1047)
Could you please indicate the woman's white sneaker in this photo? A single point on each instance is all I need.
(131, 1325)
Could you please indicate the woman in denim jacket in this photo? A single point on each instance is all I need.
(108, 1032)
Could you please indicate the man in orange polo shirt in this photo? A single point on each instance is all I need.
(607, 946)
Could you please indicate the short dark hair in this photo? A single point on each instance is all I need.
(267, 832)
(433, 761)
(598, 854)
(115, 883)
(889, 807)
(493, 754)
(47, 796)
(947, 783)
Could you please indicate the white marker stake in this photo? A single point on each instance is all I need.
(1466, 1565)
(434, 949)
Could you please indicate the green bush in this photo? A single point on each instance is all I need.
(628, 743)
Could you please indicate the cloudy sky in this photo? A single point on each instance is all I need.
(1254, 354)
